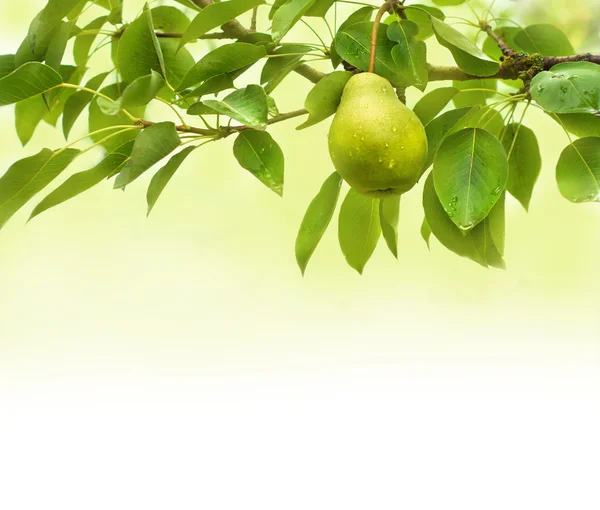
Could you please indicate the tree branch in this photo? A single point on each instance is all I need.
(254, 19)
(586, 57)
(235, 30)
(506, 50)
(226, 130)
(310, 73)
(447, 73)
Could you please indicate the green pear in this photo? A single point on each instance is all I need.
(376, 143)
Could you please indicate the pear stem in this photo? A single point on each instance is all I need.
(382, 10)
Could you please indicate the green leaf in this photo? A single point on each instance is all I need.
(56, 99)
(98, 120)
(80, 182)
(28, 114)
(470, 172)
(447, 3)
(361, 15)
(423, 20)
(7, 65)
(77, 102)
(496, 223)
(354, 46)
(320, 8)
(277, 68)
(138, 51)
(359, 229)
(545, 39)
(225, 59)
(190, 4)
(578, 171)
(580, 124)
(169, 19)
(33, 50)
(467, 56)
(126, 149)
(389, 215)
(77, 10)
(410, 54)
(468, 97)
(482, 117)
(317, 219)
(288, 15)
(116, 10)
(214, 85)
(248, 106)
(439, 128)
(58, 45)
(83, 43)
(257, 152)
(215, 15)
(488, 236)
(153, 144)
(27, 177)
(323, 100)
(272, 106)
(524, 162)
(276, 5)
(48, 20)
(426, 231)
(163, 176)
(572, 87)
(257, 38)
(139, 93)
(29, 80)
(446, 232)
(201, 109)
(177, 63)
(431, 104)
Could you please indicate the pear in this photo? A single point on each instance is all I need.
(376, 143)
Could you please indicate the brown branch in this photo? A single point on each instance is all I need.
(506, 50)
(310, 73)
(181, 129)
(234, 29)
(586, 57)
(254, 19)
(447, 73)
(513, 68)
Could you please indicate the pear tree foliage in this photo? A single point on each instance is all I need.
(474, 111)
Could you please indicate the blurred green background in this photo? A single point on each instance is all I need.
(210, 276)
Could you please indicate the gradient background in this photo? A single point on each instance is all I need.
(182, 362)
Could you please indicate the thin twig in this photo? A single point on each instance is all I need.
(506, 50)
(254, 19)
(382, 10)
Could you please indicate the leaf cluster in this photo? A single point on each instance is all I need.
(480, 149)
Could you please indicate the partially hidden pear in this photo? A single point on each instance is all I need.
(376, 143)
